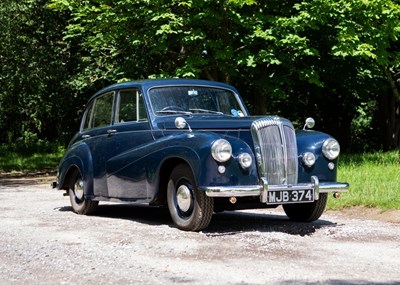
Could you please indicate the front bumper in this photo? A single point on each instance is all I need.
(262, 190)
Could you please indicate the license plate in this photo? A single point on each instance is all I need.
(290, 196)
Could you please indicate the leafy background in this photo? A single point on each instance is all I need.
(334, 60)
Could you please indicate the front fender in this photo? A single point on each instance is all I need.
(312, 141)
(233, 174)
(144, 163)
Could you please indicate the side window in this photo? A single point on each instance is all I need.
(130, 107)
(100, 112)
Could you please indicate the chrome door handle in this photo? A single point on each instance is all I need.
(85, 137)
(111, 132)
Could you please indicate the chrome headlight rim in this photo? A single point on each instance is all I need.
(221, 150)
(331, 148)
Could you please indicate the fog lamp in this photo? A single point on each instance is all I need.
(245, 160)
(308, 159)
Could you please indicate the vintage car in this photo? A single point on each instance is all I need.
(191, 146)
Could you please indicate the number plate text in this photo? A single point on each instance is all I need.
(290, 196)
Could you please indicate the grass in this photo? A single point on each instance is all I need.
(14, 161)
(374, 180)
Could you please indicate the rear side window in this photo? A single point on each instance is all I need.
(99, 113)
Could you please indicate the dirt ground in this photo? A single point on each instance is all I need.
(43, 242)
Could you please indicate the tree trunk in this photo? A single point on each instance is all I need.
(260, 104)
(390, 109)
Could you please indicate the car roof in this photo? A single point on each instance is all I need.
(148, 83)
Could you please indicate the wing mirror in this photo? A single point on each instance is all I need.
(310, 123)
(180, 123)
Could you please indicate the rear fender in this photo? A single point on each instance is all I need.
(78, 158)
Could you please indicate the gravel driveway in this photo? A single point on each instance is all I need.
(43, 242)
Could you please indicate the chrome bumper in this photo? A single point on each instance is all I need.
(262, 190)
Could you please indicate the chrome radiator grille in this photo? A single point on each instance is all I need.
(276, 150)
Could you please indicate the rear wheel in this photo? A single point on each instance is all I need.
(79, 203)
(306, 212)
(190, 208)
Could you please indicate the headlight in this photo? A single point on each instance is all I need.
(308, 159)
(331, 148)
(221, 150)
(245, 160)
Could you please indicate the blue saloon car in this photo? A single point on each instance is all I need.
(191, 146)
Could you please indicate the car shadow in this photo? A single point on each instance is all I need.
(137, 213)
(238, 221)
(223, 223)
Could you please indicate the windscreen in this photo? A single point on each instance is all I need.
(189, 100)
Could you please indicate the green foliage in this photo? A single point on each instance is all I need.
(39, 157)
(330, 59)
(277, 53)
(34, 68)
(374, 180)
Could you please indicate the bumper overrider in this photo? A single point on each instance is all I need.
(278, 194)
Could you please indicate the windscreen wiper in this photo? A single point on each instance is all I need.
(173, 112)
(206, 111)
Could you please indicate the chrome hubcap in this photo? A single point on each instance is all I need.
(183, 198)
(79, 189)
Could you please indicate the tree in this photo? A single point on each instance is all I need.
(34, 70)
(333, 59)
(278, 53)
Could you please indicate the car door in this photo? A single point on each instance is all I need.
(96, 132)
(126, 178)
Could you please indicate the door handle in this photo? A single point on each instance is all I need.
(85, 137)
(111, 132)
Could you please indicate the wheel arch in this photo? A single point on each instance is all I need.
(165, 171)
(77, 159)
(68, 176)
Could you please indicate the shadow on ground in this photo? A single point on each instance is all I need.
(224, 223)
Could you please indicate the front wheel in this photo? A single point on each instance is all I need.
(190, 208)
(79, 203)
(306, 212)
